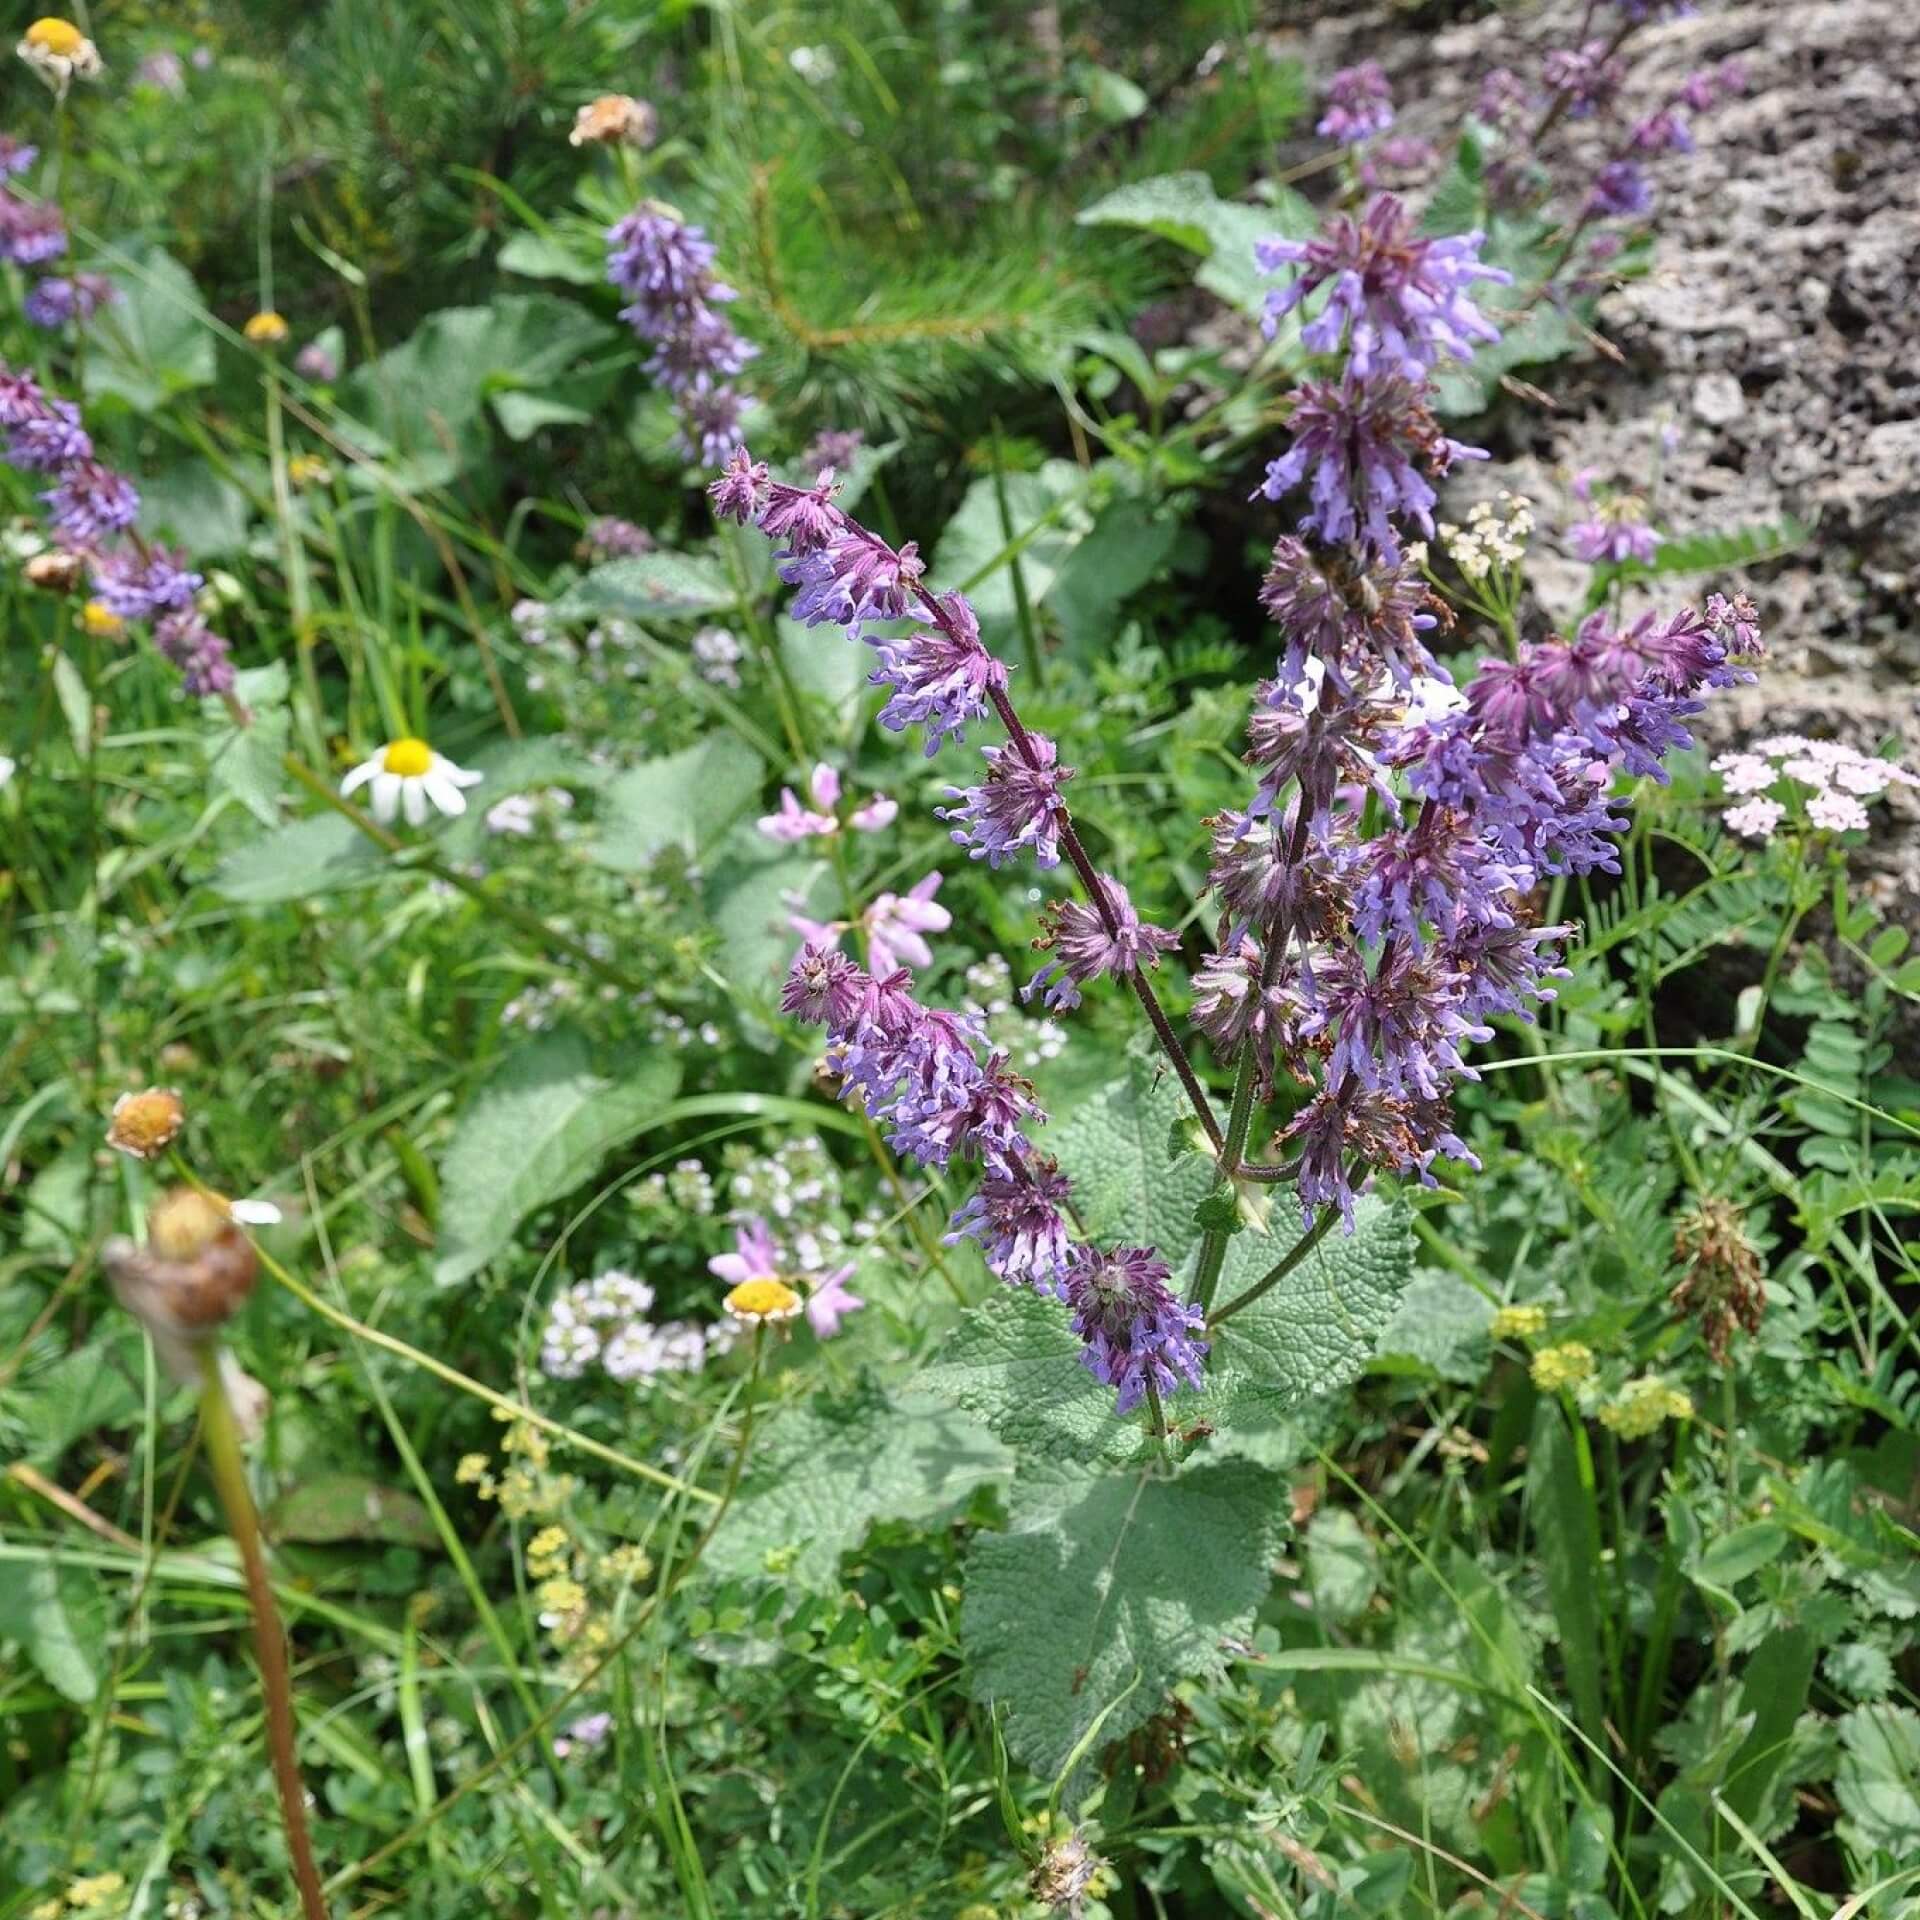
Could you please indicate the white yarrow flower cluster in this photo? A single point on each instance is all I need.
(1834, 781)
(603, 1322)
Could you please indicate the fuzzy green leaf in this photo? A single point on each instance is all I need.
(825, 1471)
(246, 761)
(539, 1127)
(59, 1615)
(315, 855)
(1104, 1593)
(152, 342)
(650, 586)
(686, 800)
(332, 1507)
(1878, 1781)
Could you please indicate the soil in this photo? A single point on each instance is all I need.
(1770, 361)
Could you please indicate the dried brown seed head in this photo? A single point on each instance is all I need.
(145, 1124)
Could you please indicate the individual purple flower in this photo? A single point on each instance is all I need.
(1359, 104)
(588, 1732)
(1355, 445)
(90, 502)
(875, 816)
(16, 156)
(199, 653)
(59, 298)
(164, 71)
(940, 678)
(317, 363)
(1235, 1008)
(1507, 968)
(804, 517)
(853, 577)
(1263, 882)
(1137, 1332)
(1663, 131)
(823, 987)
(1089, 944)
(1439, 875)
(1352, 614)
(1017, 806)
(980, 1114)
(49, 440)
(742, 486)
(1615, 529)
(31, 231)
(1301, 738)
(1338, 1138)
(833, 447)
(1504, 102)
(1018, 1216)
(1399, 1026)
(1402, 295)
(1588, 78)
(1620, 190)
(142, 586)
(611, 538)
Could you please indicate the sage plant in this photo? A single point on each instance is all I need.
(1376, 891)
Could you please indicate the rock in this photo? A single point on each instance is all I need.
(1717, 399)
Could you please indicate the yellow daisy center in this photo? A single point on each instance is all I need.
(60, 38)
(763, 1299)
(265, 329)
(99, 620)
(409, 758)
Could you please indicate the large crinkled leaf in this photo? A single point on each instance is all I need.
(58, 1614)
(1878, 1781)
(152, 342)
(825, 1471)
(650, 586)
(1014, 1361)
(1441, 1326)
(1107, 1592)
(246, 761)
(539, 1127)
(1114, 1147)
(1183, 208)
(316, 855)
(687, 800)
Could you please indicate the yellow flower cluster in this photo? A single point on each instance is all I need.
(91, 1893)
(1563, 1366)
(525, 1482)
(1490, 539)
(1642, 1405)
(1519, 1323)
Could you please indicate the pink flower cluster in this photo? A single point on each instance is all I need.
(821, 819)
(1838, 780)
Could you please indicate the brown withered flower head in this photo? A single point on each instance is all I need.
(145, 1125)
(193, 1275)
(1724, 1285)
(1065, 1871)
(614, 120)
(55, 571)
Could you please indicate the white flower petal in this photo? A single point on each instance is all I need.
(361, 774)
(386, 796)
(254, 1213)
(460, 776)
(443, 793)
(413, 800)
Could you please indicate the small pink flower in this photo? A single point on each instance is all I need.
(824, 788)
(1865, 776)
(1756, 819)
(1837, 812)
(879, 812)
(1744, 772)
(895, 923)
(795, 822)
(754, 1256)
(829, 1303)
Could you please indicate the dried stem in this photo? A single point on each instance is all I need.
(269, 1638)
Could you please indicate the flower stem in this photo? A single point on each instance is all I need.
(269, 1639)
(1284, 1266)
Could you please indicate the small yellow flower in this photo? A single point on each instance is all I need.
(1643, 1405)
(560, 1595)
(471, 1470)
(94, 1890)
(1519, 1323)
(1563, 1366)
(266, 329)
(763, 1299)
(100, 621)
(145, 1125)
(627, 1563)
(309, 470)
(58, 51)
(46, 1910)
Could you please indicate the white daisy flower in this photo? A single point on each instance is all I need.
(407, 776)
(57, 50)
